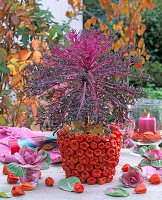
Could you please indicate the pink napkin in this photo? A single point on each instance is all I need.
(9, 133)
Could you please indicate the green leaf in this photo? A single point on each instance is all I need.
(3, 54)
(4, 69)
(67, 184)
(5, 194)
(47, 159)
(156, 163)
(6, 92)
(116, 192)
(143, 150)
(58, 29)
(52, 32)
(41, 13)
(25, 38)
(16, 169)
(144, 162)
(3, 121)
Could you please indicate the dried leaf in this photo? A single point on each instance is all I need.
(36, 56)
(24, 55)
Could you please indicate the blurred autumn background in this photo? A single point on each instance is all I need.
(26, 30)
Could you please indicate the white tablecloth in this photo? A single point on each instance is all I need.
(92, 192)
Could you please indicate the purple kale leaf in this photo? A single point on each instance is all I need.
(78, 79)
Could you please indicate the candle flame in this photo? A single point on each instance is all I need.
(144, 110)
(148, 115)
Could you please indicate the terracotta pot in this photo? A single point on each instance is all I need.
(91, 158)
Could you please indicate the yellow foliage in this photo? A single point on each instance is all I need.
(12, 69)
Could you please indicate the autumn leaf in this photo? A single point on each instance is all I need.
(12, 69)
(9, 34)
(21, 12)
(15, 20)
(35, 44)
(24, 55)
(36, 56)
(26, 20)
(34, 109)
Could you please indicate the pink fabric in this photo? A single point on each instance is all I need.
(9, 133)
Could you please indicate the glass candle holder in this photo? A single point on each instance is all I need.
(145, 125)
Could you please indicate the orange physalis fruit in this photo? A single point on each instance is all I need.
(11, 178)
(49, 181)
(155, 179)
(24, 55)
(5, 170)
(78, 187)
(26, 186)
(17, 191)
(141, 188)
(125, 167)
(101, 180)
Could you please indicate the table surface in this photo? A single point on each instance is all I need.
(92, 192)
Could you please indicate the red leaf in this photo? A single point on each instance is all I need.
(26, 20)
(15, 20)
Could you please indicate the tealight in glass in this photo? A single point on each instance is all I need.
(145, 125)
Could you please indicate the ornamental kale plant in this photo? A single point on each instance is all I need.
(84, 79)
